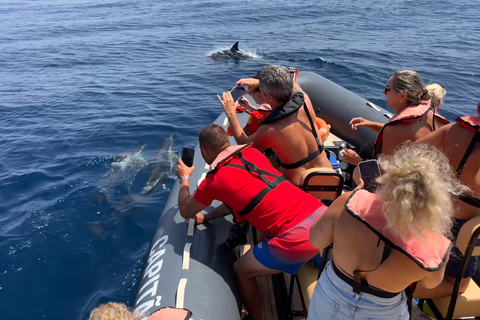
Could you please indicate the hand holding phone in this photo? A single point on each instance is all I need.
(369, 170)
(237, 92)
(187, 156)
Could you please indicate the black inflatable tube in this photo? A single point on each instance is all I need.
(337, 106)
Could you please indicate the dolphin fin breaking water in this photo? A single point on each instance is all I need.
(233, 53)
(234, 48)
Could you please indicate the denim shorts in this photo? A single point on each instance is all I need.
(333, 298)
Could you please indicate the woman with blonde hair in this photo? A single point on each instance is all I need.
(384, 241)
(437, 93)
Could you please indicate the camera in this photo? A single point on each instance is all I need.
(237, 236)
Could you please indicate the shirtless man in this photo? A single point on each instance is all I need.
(454, 139)
(288, 133)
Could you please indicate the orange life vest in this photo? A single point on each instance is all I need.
(409, 114)
(431, 253)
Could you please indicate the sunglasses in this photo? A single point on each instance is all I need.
(387, 88)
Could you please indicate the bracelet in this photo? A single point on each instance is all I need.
(183, 179)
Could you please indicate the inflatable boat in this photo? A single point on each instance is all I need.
(189, 266)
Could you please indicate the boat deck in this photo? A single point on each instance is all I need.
(274, 290)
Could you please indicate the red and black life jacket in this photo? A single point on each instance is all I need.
(238, 160)
(409, 114)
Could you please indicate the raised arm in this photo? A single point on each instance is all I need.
(230, 109)
(251, 84)
(187, 204)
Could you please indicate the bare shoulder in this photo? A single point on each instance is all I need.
(339, 204)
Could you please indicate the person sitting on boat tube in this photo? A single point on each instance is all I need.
(387, 240)
(407, 95)
(289, 130)
(460, 141)
(243, 179)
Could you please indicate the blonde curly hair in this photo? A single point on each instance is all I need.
(416, 189)
(112, 311)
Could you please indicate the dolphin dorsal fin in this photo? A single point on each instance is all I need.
(234, 47)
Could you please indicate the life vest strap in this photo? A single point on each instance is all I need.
(251, 167)
(473, 142)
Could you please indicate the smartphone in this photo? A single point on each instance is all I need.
(369, 170)
(237, 92)
(187, 156)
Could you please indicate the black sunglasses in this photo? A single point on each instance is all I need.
(387, 88)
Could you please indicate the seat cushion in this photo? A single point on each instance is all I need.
(468, 303)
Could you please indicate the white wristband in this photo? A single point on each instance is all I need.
(183, 179)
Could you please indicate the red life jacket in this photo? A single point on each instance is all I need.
(409, 114)
(430, 253)
(469, 122)
(441, 119)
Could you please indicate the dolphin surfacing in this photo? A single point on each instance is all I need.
(233, 53)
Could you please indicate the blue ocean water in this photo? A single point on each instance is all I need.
(89, 90)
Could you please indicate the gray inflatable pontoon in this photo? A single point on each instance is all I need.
(189, 266)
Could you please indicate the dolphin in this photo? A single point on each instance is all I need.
(233, 53)
(162, 166)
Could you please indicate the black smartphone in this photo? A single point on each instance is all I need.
(369, 170)
(237, 92)
(187, 156)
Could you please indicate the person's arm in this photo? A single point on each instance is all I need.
(321, 233)
(351, 157)
(246, 104)
(187, 204)
(361, 122)
(251, 83)
(433, 279)
(220, 211)
(230, 109)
